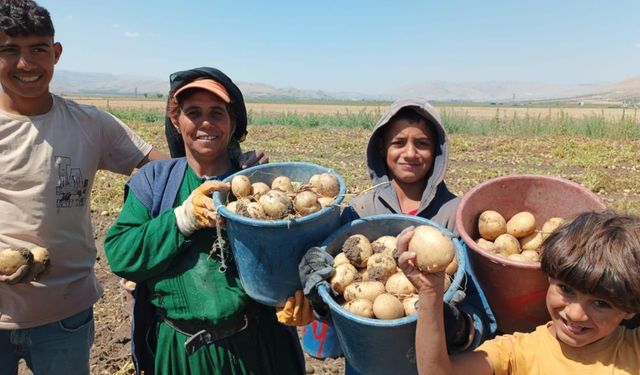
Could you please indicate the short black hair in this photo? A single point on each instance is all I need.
(24, 18)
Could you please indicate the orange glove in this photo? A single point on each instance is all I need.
(198, 211)
(297, 311)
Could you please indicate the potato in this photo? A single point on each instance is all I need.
(12, 259)
(532, 255)
(452, 267)
(380, 267)
(339, 259)
(232, 206)
(328, 185)
(41, 262)
(409, 305)
(506, 244)
(385, 245)
(521, 224)
(362, 307)
(532, 241)
(364, 289)
(259, 189)
(518, 258)
(399, 285)
(314, 181)
(276, 204)
(551, 225)
(387, 306)
(433, 248)
(250, 209)
(282, 183)
(486, 245)
(241, 186)
(344, 275)
(491, 224)
(129, 285)
(357, 248)
(306, 203)
(325, 201)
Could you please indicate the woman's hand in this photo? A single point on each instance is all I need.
(198, 211)
(424, 282)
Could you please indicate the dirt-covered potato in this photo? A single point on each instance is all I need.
(328, 185)
(532, 255)
(434, 249)
(387, 306)
(344, 275)
(306, 203)
(491, 224)
(282, 183)
(506, 244)
(360, 306)
(250, 209)
(380, 267)
(325, 201)
(339, 259)
(259, 189)
(385, 245)
(399, 285)
(14, 264)
(364, 289)
(276, 204)
(357, 248)
(41, 262)
(521, 224)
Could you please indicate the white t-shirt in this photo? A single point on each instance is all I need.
(47, 167)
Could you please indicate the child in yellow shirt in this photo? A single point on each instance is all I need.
(593, 264)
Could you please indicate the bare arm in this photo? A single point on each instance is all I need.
(431, 346)
(154, 154)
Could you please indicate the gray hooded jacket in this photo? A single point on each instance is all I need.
(437, 204)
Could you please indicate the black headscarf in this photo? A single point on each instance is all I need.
(181, 78)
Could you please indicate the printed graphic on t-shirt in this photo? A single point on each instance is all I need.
(71, 189)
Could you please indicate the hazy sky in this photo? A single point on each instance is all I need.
(354, 45)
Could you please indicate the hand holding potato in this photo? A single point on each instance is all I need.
(424, 282)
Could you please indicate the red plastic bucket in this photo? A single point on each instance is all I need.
(515, 290)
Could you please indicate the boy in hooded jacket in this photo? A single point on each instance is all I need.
(407, 157)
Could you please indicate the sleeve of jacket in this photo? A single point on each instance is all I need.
(475, 304)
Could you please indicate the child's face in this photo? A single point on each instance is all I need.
(580, 319)
(410, 149)
(26, 65)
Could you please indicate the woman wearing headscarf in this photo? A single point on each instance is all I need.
(165, 240)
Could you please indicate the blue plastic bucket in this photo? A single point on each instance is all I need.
(373, 346)
(267, 252)
(320, 340)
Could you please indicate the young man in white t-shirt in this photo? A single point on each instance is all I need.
(50, 151)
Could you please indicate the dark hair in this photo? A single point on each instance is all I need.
(597, 253)
(24, 18)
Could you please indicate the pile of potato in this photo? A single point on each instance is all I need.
(284, 199)
(369, 282)
(516, 239)
(23, 265)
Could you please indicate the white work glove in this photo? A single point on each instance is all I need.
(198, 211)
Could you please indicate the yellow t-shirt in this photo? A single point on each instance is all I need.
(540, 353)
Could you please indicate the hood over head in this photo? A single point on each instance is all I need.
(180, 79)
(376, 163)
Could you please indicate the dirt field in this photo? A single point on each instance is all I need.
(609, 168)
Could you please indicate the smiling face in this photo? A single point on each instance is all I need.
(409, 148)
(580, 319)
(205, 125)
(26, 68)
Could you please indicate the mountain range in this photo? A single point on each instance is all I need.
(70, 82)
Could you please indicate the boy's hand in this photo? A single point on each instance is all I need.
(424, 282)
(251, 158)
